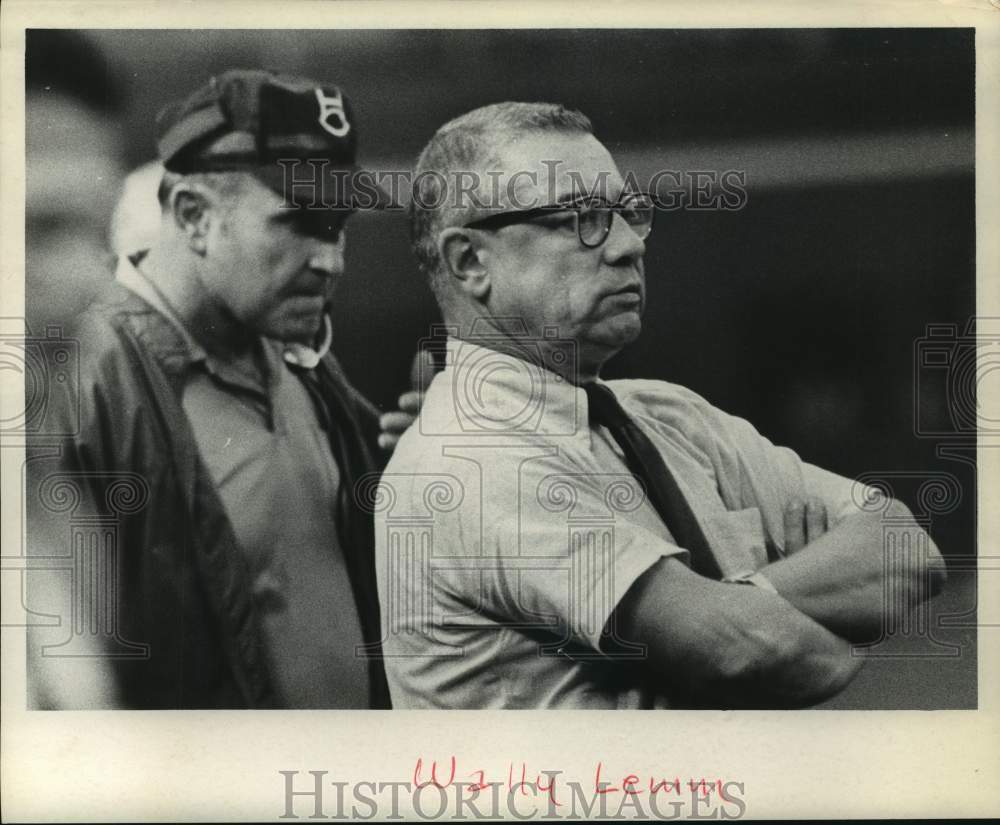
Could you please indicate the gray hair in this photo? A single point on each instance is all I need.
(471, 143)
(227, 185)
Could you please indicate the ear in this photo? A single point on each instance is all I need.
(193, 210)
(464, 261)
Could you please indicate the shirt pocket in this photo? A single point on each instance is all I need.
(737, 540)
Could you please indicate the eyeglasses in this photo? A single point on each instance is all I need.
(593, 217)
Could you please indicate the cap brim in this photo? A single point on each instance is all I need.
(317, 186)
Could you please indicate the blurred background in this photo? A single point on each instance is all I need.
(806, 311)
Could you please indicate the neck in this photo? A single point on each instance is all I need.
(564, 357)
(177, 277)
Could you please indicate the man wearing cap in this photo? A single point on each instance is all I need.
(215, 435)
(546, 539)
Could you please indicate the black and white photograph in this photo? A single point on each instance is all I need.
(368, 368)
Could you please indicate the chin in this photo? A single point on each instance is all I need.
(611, 339)
(625, 330)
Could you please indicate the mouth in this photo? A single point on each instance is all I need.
(308, 302)
(629, 294)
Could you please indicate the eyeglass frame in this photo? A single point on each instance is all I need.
(499, 220)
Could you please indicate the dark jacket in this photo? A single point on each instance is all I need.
(182, 587)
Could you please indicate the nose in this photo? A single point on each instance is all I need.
(623, 243)
(328, 257)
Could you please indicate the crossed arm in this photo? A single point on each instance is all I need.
(719, 644)
(840, 578)
(730, 645)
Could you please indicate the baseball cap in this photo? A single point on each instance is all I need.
(296, 135)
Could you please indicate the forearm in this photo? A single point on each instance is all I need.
(843, 578)
(780, 659)
(732, 646)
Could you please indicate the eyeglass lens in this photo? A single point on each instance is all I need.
(596, 219)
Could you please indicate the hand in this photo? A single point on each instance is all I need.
(805, 521)
(394, 424)
(422, 370)
(840, 579)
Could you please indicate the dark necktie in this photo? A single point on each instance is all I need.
(646, 464)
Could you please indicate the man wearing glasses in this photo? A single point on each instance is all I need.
(548, 539)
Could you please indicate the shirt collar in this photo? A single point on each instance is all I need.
(493, 393)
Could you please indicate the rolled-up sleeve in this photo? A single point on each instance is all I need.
(570, 555)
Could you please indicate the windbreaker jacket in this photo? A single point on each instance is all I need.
(114, 434)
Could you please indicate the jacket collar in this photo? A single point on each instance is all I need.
(163, 330)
